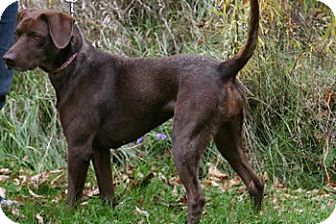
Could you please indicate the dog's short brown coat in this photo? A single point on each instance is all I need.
(107, 100)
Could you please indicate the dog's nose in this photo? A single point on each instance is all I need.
(9, 58)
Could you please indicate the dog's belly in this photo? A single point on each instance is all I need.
(117, 132)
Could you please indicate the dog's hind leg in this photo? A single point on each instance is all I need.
(228, 142)
(190, 138)
(187, 153)
(101, 159)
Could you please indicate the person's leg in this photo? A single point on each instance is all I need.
(7, 28)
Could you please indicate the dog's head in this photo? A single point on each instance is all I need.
(39, 35)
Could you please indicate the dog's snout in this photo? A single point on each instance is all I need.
(9, 59)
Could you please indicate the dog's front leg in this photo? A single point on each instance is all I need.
(101, 159)
(78, 163)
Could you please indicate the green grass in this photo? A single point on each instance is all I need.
(160, 200)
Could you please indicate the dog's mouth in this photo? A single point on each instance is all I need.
(11, 65)
(17, 68)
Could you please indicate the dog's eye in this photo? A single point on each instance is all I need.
(35, 36)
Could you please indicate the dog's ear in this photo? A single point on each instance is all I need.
(60, 28)
(20, 15)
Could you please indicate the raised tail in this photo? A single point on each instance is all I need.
(231, 67)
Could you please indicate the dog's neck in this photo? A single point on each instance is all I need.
(66, 64)
(65, 67)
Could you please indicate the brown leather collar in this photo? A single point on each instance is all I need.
(66, 64)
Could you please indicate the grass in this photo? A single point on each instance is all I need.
(160, 199)
(30, 135)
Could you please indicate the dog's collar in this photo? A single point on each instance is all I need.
(66, 64)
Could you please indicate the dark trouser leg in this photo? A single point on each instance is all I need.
(7, 28)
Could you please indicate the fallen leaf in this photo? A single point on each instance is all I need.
(89, 192)
(16, 212)
(216, 178)
(39, 218)
(3, 178)
(175, 181)
(84, 203)
(5, 171)
(141, 212)
(174, 191)
(16, 181)
(162, 178)
(214, 172)
(32, 193)
(277, 185)
(39, 179)
(59, 198)
(183, 200)
(265, 177)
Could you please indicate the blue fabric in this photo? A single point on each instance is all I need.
(7, 28)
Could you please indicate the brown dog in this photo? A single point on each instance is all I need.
(106, 101)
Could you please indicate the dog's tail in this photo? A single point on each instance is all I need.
(231, 67)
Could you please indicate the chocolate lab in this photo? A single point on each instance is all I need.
(106, 101)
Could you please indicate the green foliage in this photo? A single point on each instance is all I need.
(30, 133)
(290, 124)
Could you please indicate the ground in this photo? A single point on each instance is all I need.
(150, 192)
